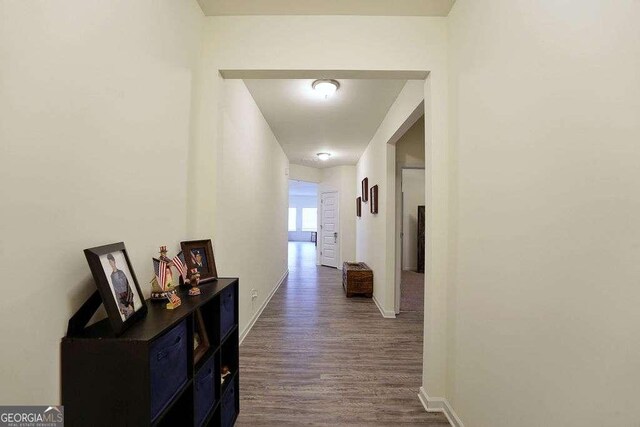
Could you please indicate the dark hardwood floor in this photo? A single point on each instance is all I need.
(316, 357)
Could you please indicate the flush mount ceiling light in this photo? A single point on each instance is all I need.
(323, 156)
(325, 87)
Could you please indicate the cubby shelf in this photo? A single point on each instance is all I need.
(147, 375)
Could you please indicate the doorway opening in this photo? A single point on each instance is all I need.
(410, 219)
(412, 237)
(302, 224)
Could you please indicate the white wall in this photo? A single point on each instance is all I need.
(300, 202)
(341, 179)
(252, 199)
(410, 147)
(304, 173)
(329, 43)
(413, 191)
(84, 77)
(94, 126)
(375, 237)
(544, 321)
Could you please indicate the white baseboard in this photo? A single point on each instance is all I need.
(388, 314)
(255, 317)
(439, 404)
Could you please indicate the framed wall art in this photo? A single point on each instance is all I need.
(198, 254)
(374, 199)
(365, 189)
(117, 284)
(358, 206)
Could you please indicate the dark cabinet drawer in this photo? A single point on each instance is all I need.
(228, 405)
(204, 389)
(227, 310)
(168, 366)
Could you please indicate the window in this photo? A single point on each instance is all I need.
(309, 219)
(292, 219)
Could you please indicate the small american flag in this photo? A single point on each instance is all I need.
(156, 269)
(179, 263)
(160, 268)
(173, 298)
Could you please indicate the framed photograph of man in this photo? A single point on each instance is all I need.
(117, 285)
(199, 254)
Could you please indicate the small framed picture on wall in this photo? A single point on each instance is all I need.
(365, 189)
(374, 199)
(358, 206)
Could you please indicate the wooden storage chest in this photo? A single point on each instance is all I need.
(357, 278)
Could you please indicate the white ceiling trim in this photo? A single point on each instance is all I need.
(326, 74)
(327, 7)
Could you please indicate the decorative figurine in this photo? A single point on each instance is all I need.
(163, 285)
(224, 373)
(194, 281)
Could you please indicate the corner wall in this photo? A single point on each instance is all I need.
(252, 201)
(95, 104)
(375, 241)
(544, 319)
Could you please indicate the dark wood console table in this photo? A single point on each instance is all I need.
(147, 376)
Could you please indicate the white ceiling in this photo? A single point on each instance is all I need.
(327, 7)
(306, 124)
(301, 188)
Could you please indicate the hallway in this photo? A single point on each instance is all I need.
(316, 357)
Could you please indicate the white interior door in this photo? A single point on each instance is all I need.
(329, 226)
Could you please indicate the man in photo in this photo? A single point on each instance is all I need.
(124, 294)
(199, 263)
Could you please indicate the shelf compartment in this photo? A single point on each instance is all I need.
(168, 367)
(205, 388)
(229, 358)
(230, 404)
(180, 412)
(228, 310)
(211, 316)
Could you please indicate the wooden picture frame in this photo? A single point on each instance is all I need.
(374, 199)
(199, 254)
(358, 207)
(365, 189)
(200, 337)
(117, 285)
